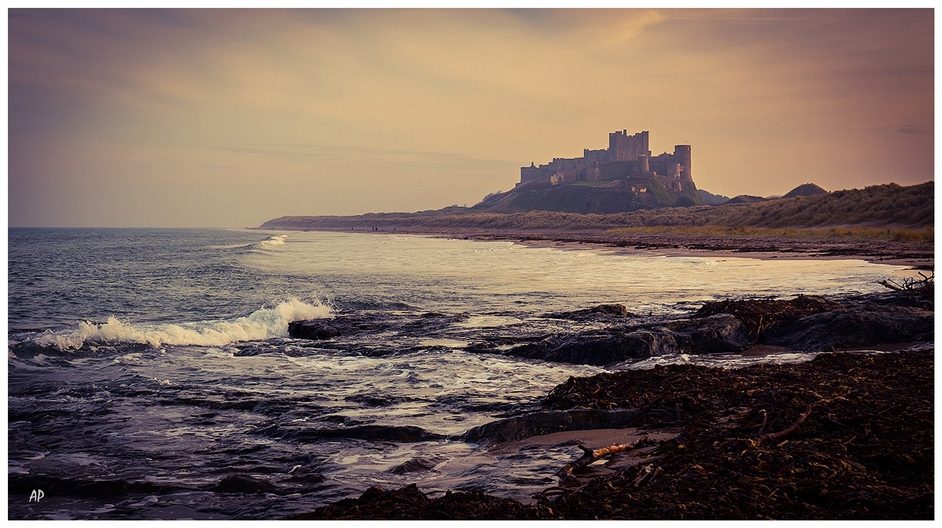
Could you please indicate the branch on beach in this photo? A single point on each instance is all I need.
(793, 427)
(566, 477)
(911, 284)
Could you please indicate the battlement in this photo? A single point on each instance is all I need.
(627, 156)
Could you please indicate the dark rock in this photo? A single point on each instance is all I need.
(583, 349)
(414, 465)
(244, 484)
(651, 342)
(720, 333)
(612, 309)
(313, 329)
(410, 503)
(540, 423)
(599, 348)
(387, 433)
(615, 310)
(855, 328)
(761, 315)
(353, 324)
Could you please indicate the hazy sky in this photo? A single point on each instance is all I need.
(228, 118)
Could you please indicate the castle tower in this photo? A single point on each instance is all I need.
(643, 165)
(682, 155)
(622, 147)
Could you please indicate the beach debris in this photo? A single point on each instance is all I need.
(845, 436)
(565, 474)
(922, 287)
(791, 428)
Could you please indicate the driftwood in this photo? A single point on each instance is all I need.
(911, 284)
(566, 477)
(791, 428)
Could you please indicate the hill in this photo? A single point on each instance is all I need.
(712, 199)
(890, 205)
(603, 197)
(806, 189)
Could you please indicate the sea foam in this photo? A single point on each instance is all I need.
(264, 323)
(275, 240)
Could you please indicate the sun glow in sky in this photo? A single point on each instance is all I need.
(228, 118)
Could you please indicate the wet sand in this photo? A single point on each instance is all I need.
(807, 244)
(915, 255)
(595, 439)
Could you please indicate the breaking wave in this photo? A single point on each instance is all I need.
(275, 240)
(264, 323)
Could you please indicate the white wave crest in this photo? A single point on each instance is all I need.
(275, 240)
(264, 323)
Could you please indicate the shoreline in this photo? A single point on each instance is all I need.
(780, 254)
(844, 436)
(808, 246)
(763, 247)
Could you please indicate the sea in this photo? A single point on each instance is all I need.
(150, 372)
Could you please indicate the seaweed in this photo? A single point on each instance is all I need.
(844, 436)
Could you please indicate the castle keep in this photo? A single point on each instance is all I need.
(626, 157)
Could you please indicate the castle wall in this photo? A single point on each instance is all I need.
(615, 170)
(532, 173)
(594, 156)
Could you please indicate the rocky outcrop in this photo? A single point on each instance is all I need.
(353, 324)
(850, 328)
(608, 334)
(815, 324)
(721, 333)
(614, 310)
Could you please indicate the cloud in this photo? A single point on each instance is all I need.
(395, 100)
(910, 129)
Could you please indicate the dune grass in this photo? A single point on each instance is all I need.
(850, 232)
(882, 212)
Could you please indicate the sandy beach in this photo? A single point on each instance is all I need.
(802, 244)
(916, 255)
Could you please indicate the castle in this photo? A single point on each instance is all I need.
(626, 157)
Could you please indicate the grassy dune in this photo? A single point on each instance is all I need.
(889, 212)
(923, 234)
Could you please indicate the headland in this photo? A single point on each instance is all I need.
(883, 223)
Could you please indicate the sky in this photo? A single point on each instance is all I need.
(231, 117)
